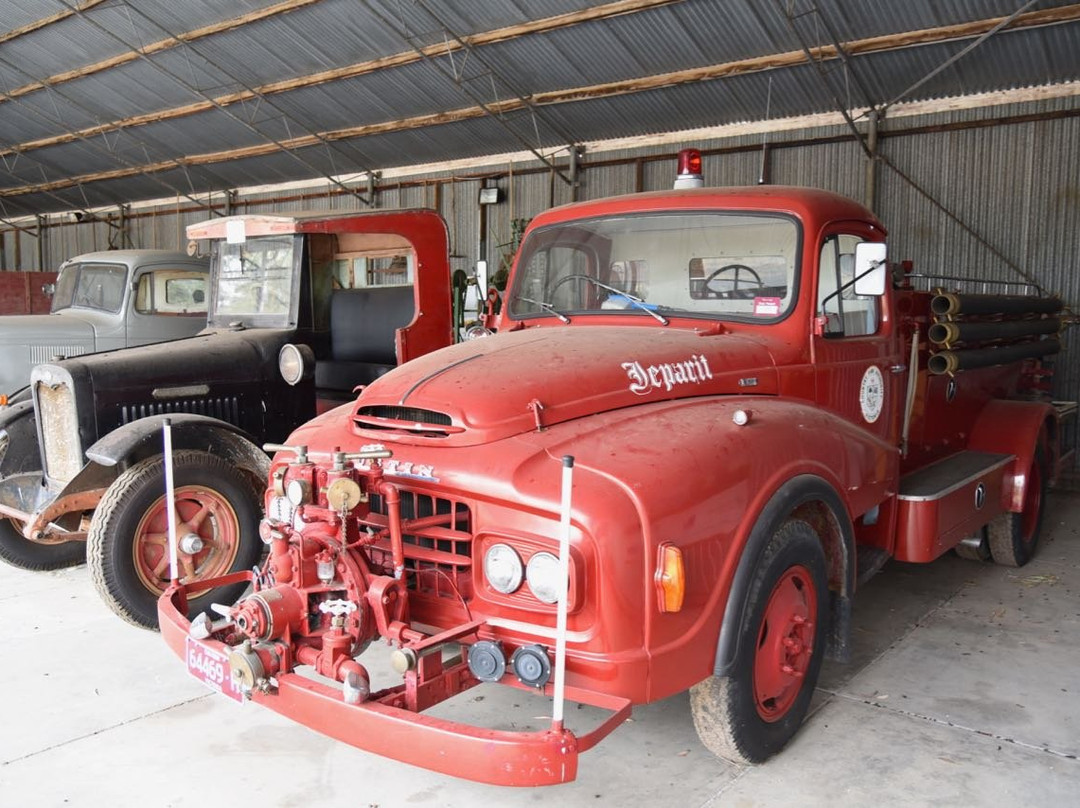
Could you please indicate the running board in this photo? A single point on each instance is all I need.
(948, 500)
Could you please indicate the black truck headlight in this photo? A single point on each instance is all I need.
(502, 568)
(295, 362)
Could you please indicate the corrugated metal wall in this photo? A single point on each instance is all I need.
(1016, 184)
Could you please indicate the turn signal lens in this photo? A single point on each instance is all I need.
(670, 578)
(3, 400)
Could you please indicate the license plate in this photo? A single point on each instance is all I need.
(211, 667)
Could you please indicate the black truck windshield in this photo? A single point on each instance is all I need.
(256, 280)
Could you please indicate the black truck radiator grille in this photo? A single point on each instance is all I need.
(225, 408)
(437, 534)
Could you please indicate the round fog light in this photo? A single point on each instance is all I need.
(502, 568)
(531, 665)
(542, 574)
(487, 661)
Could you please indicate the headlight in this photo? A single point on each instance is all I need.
(542, 573)
(502, 568)
(295, 362)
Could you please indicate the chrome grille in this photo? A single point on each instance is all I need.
(438, 544)
(224, 408)
(59, 431)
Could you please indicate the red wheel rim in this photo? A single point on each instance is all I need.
(1029, 517)
(200, 512)
(785, 643)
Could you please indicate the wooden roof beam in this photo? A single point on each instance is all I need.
(607, 90)
(45, 22)
(545, 25)
(233, 23)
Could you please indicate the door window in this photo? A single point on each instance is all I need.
(846, 313)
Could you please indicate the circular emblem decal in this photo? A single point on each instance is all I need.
(871, 394)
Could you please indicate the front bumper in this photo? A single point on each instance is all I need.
(498, 757)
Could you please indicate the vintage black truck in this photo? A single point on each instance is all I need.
(302, 309)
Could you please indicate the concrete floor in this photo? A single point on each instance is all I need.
(965, 691)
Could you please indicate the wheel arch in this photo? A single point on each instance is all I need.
(140, 439)
(1018, 428)
(812, 499)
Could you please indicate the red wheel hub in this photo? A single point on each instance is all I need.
(785, 643)
(207, 538)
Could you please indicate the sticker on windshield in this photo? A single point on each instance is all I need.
(665, 376)
(766, 306)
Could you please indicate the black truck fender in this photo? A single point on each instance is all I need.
(142, 438)
(18, 439)
(795, 492)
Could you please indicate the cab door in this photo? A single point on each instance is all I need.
(859, 370)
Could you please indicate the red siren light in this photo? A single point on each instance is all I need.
(689, 175)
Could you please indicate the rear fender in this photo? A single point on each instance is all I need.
(142, 438)
(798, 496)
(1018, 428)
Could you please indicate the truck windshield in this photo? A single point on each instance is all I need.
(256, 280)
(697, 264)
(90, 286)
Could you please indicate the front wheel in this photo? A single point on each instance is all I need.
(750, 715)
(217, 513)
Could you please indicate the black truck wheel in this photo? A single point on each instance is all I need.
(1013, 537)
(217, 509)
(31, 555)
(751, 714)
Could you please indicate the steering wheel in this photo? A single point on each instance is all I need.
(736, 270)
(574, 277)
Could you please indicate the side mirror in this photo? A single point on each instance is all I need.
(871, 269)
(48, 289)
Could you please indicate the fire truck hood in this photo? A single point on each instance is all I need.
(510, 383)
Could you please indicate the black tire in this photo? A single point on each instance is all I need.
(750, 715)
(31, 555)
(125, 534)
(1014, 537)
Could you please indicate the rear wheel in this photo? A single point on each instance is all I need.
(750, 715)
(31, 555)
(1013, 536)
(217, 514)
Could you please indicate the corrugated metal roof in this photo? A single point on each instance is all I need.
(559, 56)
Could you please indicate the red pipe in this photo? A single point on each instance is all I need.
(392, 496)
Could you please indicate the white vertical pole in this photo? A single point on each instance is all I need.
(170, 501)
(564, 582)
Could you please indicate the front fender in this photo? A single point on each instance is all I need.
(141, 439)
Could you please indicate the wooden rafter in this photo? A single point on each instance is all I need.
(545, 25)
(222, 26)
(877, 44)
(45, 22)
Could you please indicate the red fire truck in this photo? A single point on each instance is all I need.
(705, 417)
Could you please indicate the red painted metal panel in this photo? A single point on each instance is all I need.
(20, 292)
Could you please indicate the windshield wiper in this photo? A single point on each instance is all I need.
(546, 307)
(637, 301)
